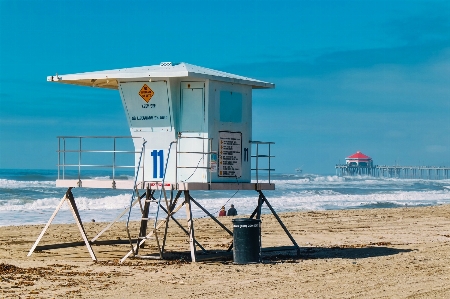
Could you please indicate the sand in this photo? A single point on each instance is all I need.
(376, 253)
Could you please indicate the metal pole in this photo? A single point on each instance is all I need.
(64, 158)
(143, 162)
(114, 160)
(210, 153)
(269, 163)
(257, 154)
(59, 154)
(79, 163)
(176, 159)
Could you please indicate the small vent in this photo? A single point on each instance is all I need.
(165, 64)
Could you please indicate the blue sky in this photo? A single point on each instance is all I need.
(372, 76)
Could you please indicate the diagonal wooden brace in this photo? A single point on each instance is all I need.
(68, 197)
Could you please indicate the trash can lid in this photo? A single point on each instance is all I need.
(245, 220)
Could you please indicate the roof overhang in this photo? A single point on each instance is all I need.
(111, 78)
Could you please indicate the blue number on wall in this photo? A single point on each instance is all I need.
(155, 155)
(161, 163)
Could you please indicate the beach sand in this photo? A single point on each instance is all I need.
(371, 253)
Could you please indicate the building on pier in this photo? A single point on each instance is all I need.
(356, 164)
(358, 159)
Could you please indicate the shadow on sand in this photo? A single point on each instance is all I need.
(330, 252)
(270, 254)
(349, 253)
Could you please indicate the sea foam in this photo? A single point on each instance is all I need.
(33, 201)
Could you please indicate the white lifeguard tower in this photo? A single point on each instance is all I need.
(192, 130)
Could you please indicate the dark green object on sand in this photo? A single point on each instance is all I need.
(246, 240)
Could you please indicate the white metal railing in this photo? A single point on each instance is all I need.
(204, 154)
(77, 149)
(267, 155)
(262, 151)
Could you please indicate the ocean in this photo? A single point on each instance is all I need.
(30, 196)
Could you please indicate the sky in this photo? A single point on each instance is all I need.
(369, 76)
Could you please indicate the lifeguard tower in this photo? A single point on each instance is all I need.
(192, 130)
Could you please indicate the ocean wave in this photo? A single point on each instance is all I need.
(304, 200)
(14, 184)
(362, 182)
(106, 177)
(33, 201)
(83, 203)
(108, 207)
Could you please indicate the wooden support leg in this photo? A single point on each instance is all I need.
(257, 210)
(183, 229)
(261, 195)
(76, 215)
(161, 223)
(212, 217)
(115, 220)
(47, 225)
(254, 213)
(169, 215)
(73, 207)
(190, 222)
(144, 220)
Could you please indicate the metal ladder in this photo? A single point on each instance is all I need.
(153, 235)
(146, 217)
(144, 235)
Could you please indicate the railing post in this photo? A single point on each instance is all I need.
(178, 146)
(59, 154)
(114, 164)
(269, 163)
(257, 158)
(114, 160)
(64, 159)
(79, 164)
(143, 161)
(209, 160)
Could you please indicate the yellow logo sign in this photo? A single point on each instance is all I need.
(146, 93)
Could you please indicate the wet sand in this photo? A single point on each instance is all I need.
(376, 253)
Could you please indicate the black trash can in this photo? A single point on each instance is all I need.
(246, 240)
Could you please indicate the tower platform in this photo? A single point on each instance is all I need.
(129, 185)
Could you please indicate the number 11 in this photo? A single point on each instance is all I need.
(155, 155)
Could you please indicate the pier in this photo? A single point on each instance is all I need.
(396, 171)
(361, 164)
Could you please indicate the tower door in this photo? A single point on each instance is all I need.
(192, 107)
